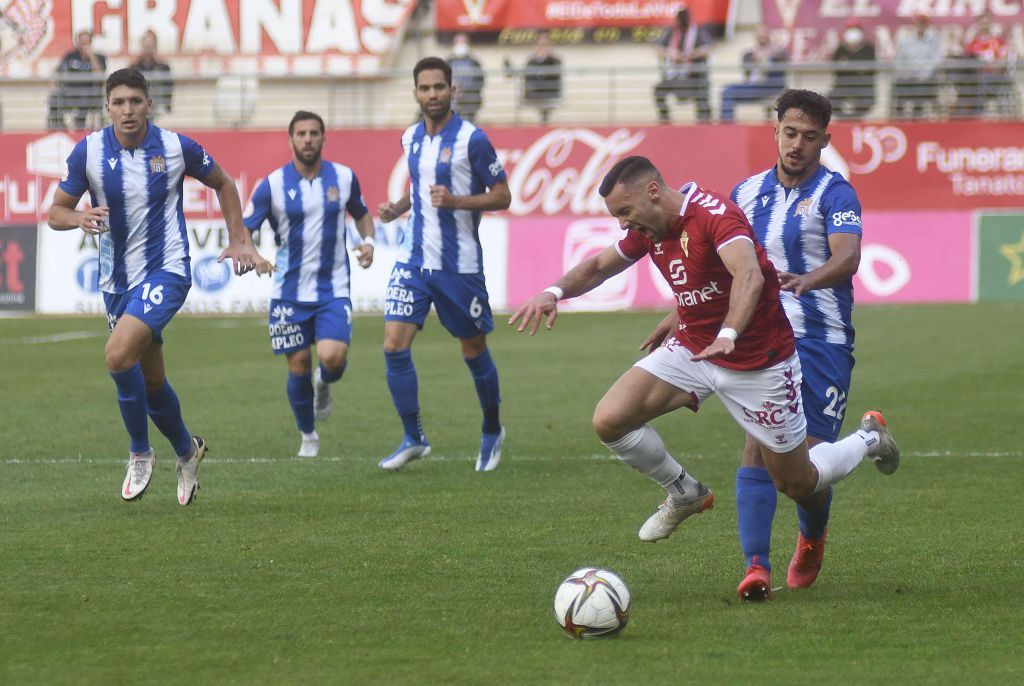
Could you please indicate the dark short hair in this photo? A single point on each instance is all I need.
(303, 115)
(812, 104)
(432, 63)
(628, 170)
(130, 77)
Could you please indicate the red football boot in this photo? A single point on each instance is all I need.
(806, 562)
(756, 585)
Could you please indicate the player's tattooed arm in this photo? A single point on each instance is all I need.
(62, 215)
(241, 250)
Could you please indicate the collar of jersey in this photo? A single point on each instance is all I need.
(452, 124)
(687, 190)
(115, 145)
(809, 183)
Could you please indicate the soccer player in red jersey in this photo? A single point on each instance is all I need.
(733, 341)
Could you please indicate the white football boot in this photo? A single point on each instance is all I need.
(885, 454)
(310, 445)
(322, 401)
(188, 472)
(409, 450)
(671, 514)
(136, 479)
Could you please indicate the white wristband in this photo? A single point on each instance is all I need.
(555, 291)
(726, 332)
(368, 240)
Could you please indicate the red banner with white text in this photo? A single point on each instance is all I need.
(307, 37)
(496, 15)
(811, 28)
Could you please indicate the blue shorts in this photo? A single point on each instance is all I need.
(155, 301)
(296, 326)
(827, 369)
(460, 300)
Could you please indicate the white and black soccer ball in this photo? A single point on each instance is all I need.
(592, 602)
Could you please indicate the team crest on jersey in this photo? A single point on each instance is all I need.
(333, 194)
(157, 165)
(684, 243)
(445, 156)
(803, 208)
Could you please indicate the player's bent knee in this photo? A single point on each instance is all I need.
(610, 425)
(795, 488)
(119, 359)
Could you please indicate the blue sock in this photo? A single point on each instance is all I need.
(813, 522)
(165, 411)
(329, 376)
(756, 498)
(300, 395)
(405, 391)
(485, 376)
(131, 396)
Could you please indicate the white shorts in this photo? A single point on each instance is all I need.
(765, 402)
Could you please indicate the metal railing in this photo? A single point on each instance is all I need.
(598, 95)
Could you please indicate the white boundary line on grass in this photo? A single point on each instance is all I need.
(443, 458)
(53, 338)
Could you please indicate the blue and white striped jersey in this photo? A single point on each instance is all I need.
(793, 225)
(308, 218)
(462, 158)
(142, 188)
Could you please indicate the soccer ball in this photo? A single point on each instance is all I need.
(592, 602)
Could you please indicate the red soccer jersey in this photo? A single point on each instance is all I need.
(688, 259)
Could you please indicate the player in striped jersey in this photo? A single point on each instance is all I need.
(134, 173)
(306, 201)
(454, 176)
(808, 218)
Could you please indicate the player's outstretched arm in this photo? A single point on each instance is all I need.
(241, 249)
(62, 215)
(838, 269)
(497, 197)
(390, 211)
(747, 281)
(582, 278)
(661, 332)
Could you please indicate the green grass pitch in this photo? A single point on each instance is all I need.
(331, 571)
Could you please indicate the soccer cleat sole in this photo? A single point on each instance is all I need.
(887, 464)
(755, 588)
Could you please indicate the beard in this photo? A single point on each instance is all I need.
(307, 157)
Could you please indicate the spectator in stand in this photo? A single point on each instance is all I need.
(542, 79)
(853, 93)
(985, 77)
(683, 59)
(157, 73)
(915, 67)
(76, 92)
(763, 75)
(467, 77)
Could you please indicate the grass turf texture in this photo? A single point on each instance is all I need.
(332, 571)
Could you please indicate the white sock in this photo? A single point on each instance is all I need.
(644, 451)
(835, 460)
(314, 436)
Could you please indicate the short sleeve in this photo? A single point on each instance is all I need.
(356, 206)
(73, 180)
(484, 160)
(633, 246)
(840, 209)
(198, 164)
(258, 209)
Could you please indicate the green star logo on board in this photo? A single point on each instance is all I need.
(1001, 257)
